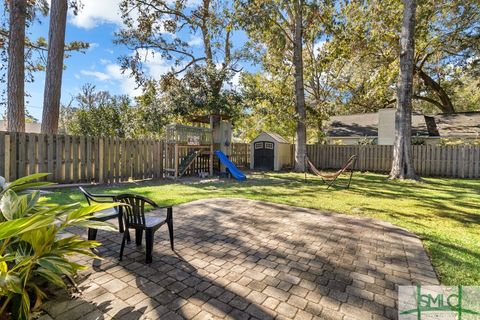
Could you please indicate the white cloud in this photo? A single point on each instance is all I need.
(127, 83)
(317, 47)
(154, 63)
(92, 46)
(155, 66)
(101, 76)
(96, 12)
(195, 41)
(114, 77)
(236, 79)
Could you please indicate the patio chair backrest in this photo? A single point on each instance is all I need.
(91, 197)
(134, 210)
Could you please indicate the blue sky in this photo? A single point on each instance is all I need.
(96, 23)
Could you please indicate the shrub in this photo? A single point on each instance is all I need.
(35, 246)
(418, 141)
(366, 141)
(337, 142)
(459, 142)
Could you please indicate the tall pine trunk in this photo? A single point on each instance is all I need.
(402, 166)
(301, 133)
(53, 78)
(16, 66)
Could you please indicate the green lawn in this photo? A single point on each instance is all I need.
(445, 213)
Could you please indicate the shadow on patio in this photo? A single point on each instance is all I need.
(242, 259)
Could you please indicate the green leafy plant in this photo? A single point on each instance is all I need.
(459, 142)
(35, 244)
(338, 142)
(366, 141)
(418, 141)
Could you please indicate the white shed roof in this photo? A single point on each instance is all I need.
(278, 138)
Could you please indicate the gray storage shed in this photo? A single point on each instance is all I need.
(270, 152)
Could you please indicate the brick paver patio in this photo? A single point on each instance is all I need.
(243, 259)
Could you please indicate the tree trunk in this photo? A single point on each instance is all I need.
(301, 133)
(16, 66)
(53, 78)
(446, 104)
(320, 134)
(402, 166)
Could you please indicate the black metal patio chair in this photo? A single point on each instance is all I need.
(134, 218)
(102, 215)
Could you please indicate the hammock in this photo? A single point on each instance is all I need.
(330, 178)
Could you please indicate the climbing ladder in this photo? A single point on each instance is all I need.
(185, 163)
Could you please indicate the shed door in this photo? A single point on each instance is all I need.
(264, 155)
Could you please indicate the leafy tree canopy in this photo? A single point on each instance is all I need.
(197, 83)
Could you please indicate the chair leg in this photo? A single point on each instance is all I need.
(128, 235)
(123, 244)
(138, 237)
(170, 225)
(149, 235)
(121, 228)
(92, 234)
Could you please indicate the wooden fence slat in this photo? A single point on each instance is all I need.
(83, 159)
(96, 159)
(111, 158)
(2, 154)
(117, 160)
(105, 158)
(122, 159)
(59, 156)
(32, 153)
(42, 153)
(89, 159)
(22, 148)
(75, 161)
(68, 159)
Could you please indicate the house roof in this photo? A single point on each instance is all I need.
(361, 125)
(29, 127)
(419, 125)
(274, 136)
(446, 124)
(458, 124)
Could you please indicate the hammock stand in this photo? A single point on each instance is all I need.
(330, 178)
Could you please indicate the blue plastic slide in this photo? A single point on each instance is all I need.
(237, 174)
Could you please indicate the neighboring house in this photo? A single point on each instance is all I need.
(29, 127)
(379, 127)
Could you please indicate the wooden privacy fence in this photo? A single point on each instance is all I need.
(240, 154)
(443, 161)
(78, 159)
(74, 159)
